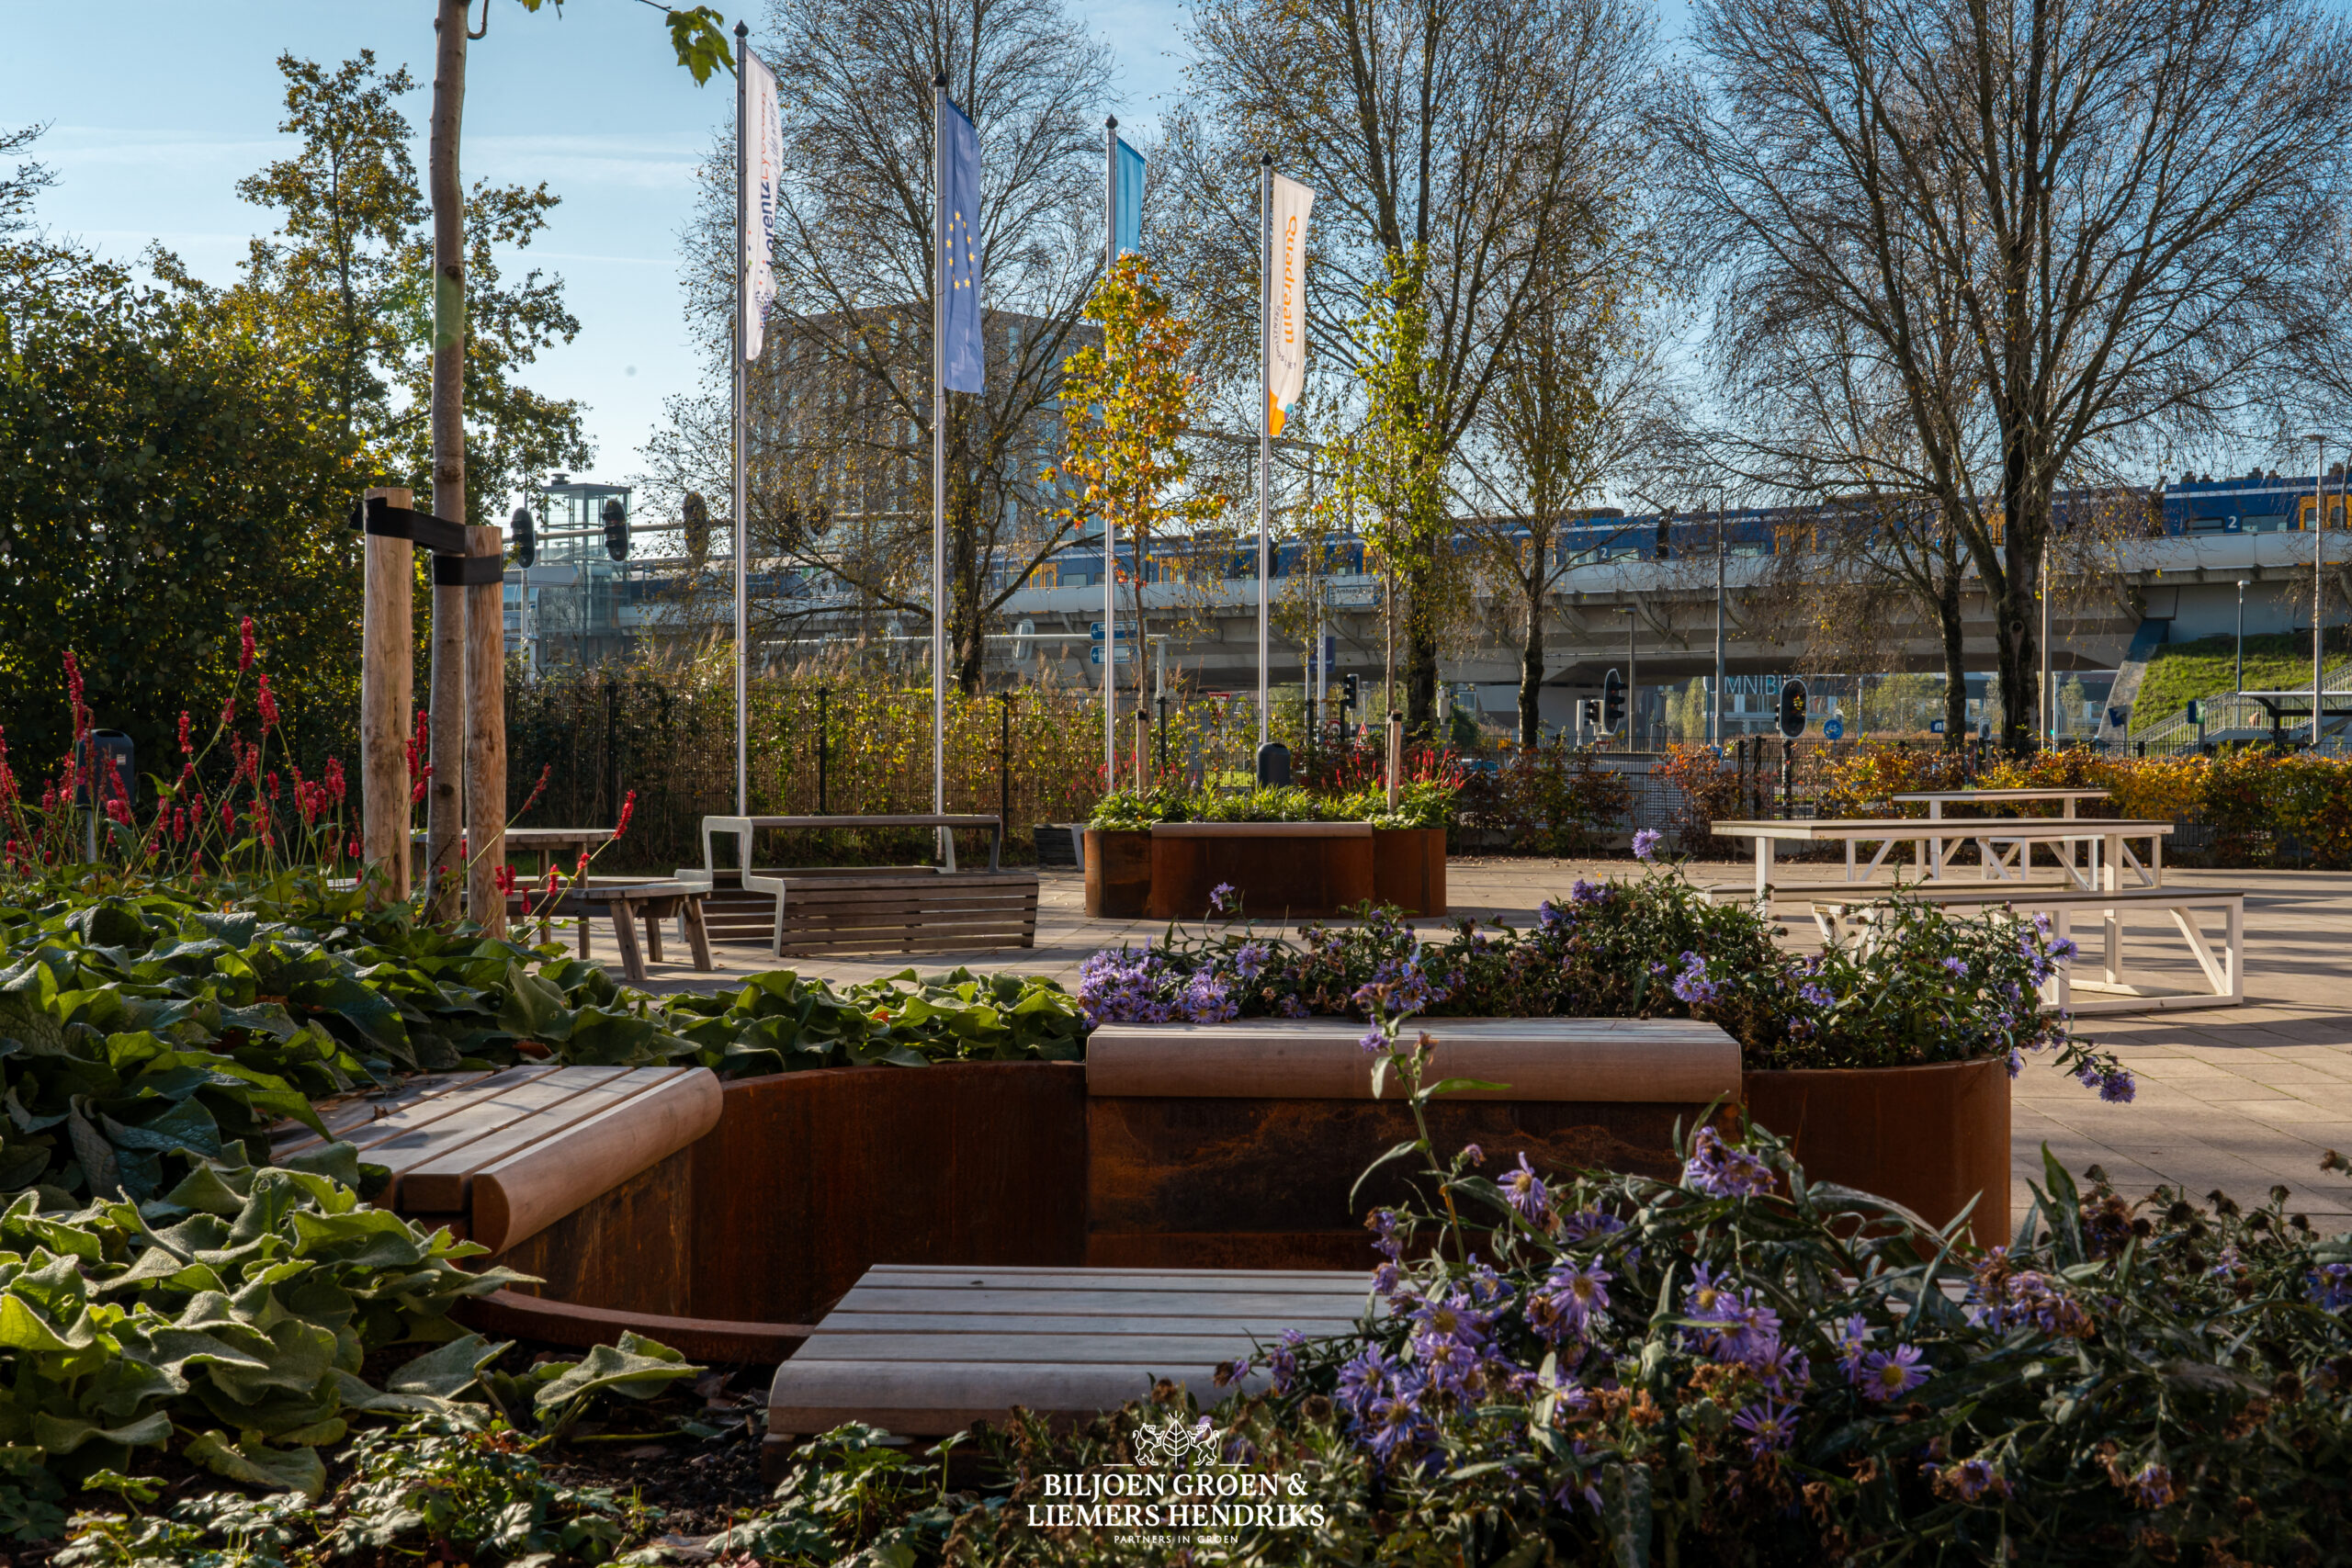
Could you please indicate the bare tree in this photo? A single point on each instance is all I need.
(2120, 200)
(843, 405)
(1461, 141)
(1582, 396)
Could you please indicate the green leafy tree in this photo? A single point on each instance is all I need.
(1126, 404)
(1389, 472)
(346, 287)
(163, 473)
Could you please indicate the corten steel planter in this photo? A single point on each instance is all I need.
(1930, 1137)
(1408, 869)
(1234, 1146)
(808, 1180)
(1118, 874)
(1282, 870)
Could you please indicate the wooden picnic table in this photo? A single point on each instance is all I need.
(1937, 800)
(628, 903)
(2110, 853)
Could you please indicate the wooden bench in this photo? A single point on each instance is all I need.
(2225, 971)
(816, 910)
(499, 1157)
(1237, 1145)
(627, 903)
(927, 1351)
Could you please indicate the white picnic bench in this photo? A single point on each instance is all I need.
(499, 1157)
(1848, 920)
(814, 910)
(2006, 843)
(925, 1351)
(1935, 800)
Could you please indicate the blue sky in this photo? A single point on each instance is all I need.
(157, 108)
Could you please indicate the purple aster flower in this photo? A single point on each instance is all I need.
(1768, 1429)
(1817, 995)
(2329, 1287)
(1584, 892)
(2114, 1084)
(2017, 1064)
(1972, 1478)
(1693, 985)
(1374, 1041)
(1250, 960)
(1717, 1170)
(1586, 1223)
(1853, 1341)
(2153, 1487)
(1283, 1364)
(1290, 1007)
(1205, 1000)
(1957, 966)
(1224, 901)
(1474, 1154)
(1889, 1374)
(1570, 1298)
(2063, 950)
(1645, 843)
(1525, 1191)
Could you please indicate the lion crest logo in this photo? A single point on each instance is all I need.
(1172, 1442)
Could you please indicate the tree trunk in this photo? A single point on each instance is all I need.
(1420, 657)
(445, 800)
(1955, 660)
(1531, 672)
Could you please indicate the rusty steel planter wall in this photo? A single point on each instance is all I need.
(1277, 875)
(1929, 1137)
(812, 1178)
(1264, 1183)
(1118, 874)
(1408, 869)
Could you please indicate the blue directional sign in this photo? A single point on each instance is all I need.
(1833, 727)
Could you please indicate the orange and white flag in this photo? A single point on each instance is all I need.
(1286, 323)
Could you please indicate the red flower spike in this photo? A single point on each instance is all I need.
(245, 643)
(268, 704)
(187, 746)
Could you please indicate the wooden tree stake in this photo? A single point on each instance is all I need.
(445, 796)
(387, 693)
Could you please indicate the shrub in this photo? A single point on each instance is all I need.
(1930, 987)
(1547, 800)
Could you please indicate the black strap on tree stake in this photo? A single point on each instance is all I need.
(381, 517)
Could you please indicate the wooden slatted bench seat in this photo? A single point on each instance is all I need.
(499, 1157)
(816, 910)
(925, 1351)
(1843, 918)
(1238, 1144)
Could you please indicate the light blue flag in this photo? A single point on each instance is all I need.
(963, 361)
(1126, 198)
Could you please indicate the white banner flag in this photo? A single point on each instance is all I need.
(763, 166)
(1286, 336)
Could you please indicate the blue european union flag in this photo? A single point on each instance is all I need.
(963, 359)
(1126, 198)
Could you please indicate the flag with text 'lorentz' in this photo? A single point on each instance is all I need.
(962, 360)
(763, 171)
(1126, 198)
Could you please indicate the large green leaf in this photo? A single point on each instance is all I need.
(256, 1464)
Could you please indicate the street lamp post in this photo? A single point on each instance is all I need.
(1715, 713)
(2319, 580)
(2240, 685)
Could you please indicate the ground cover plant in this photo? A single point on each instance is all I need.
(1929, 987)
(1422, 803)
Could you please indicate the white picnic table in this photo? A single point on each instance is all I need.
(1935, 800)
(2006, 843)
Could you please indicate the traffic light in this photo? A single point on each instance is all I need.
(1591, 710)
(694, 512)
(1612, 702)
(527, 543)
(1350, 691)
(1792, 708)
(616, 529)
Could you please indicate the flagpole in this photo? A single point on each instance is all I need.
(741, 335)
(939, 461)
(1265, 417)
(1110, 574)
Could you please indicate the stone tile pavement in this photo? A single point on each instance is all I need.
(2237, 1099)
